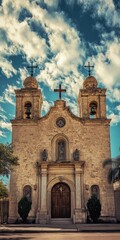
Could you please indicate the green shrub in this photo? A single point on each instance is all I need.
(94, 208)
(24, 207)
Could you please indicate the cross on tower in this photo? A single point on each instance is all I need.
(60, 90)
(32, 68)
(88, 66)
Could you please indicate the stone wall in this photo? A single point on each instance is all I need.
(90, 137)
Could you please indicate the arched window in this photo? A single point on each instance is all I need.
(93, 109)
(27, 192)
(28, 107)
(61, 150)
(95, 191)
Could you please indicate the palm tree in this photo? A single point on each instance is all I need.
(114, 170)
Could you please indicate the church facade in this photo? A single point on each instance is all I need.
(60, 155)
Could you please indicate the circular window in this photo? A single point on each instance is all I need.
(60, 122)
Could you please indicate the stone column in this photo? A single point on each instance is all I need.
(82, 191)
(38, 197)
(78, 186)
(79, 213)
(43, 189)
(13, 211)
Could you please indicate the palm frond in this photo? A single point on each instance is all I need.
(114, 175)
(107, 162)
(117, 161)
(110, 176)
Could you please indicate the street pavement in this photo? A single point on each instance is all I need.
(60, 236)
(57, 228)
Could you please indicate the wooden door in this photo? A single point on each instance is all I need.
(60, 201)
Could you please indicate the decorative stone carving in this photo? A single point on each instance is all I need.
(95, 190)
(61, 150)
(30, 82)
(61, 178)
(76, 155)
(27, 192)
(44, 155)
(60, 122)
(90, 82)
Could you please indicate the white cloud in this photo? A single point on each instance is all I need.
(1, 99)
(103, 8)
(8, 95)
(6, 125)
(113, 94)
(23, 74)
(46, 106)
(118, 108)
(2, 110)
(18, 33)
(114, 118)
(52, 3)
(64, 40)
(106, 67)
(3, 117)
(2, 134)
(7, 67)
(73, 106)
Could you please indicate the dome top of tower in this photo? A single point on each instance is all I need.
(30, 82)
(90, 82)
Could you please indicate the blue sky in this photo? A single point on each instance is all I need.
(60, 36)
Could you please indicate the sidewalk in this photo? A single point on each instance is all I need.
(36, 228)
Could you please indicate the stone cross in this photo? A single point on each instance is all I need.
(32, 68)
(60, 90)
(89, 68)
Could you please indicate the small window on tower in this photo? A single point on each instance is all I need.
(93, 110)
(28, 107)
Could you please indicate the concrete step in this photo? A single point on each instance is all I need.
(61, 221)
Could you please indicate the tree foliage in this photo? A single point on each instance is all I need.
(114, 170)
(94, 208)
(24, 206)
(3, 190)
(7, 159)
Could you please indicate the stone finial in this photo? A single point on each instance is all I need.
(44, 155)
(30, 82)
(76, 155)
(90, 82)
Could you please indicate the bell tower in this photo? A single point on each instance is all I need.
(92, 100)
(28, 100)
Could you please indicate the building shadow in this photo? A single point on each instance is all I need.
(13, 236)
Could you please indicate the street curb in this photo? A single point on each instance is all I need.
(71, 228)
(60, 231)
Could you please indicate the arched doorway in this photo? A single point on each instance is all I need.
(60, 201)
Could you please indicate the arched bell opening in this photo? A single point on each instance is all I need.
(93, 110)
(27, 110)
